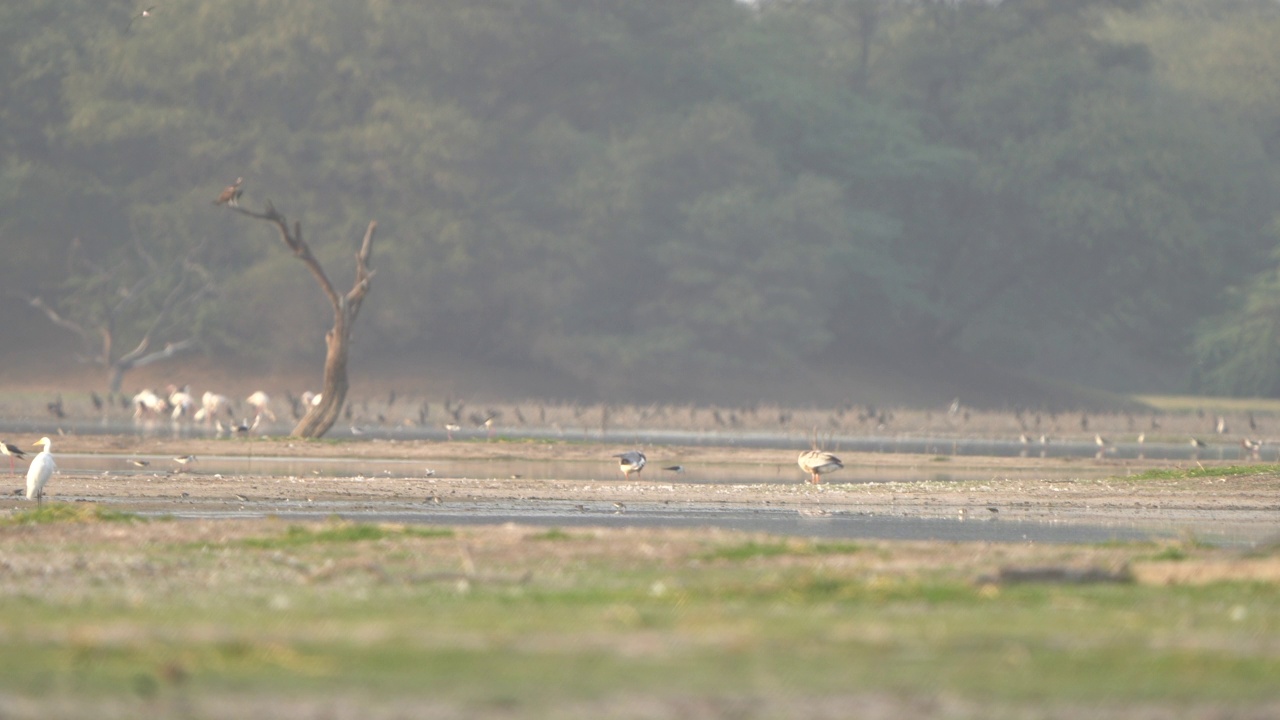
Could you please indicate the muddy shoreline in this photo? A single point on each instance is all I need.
(1027, 490)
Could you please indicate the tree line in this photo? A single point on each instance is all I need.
(631, 192)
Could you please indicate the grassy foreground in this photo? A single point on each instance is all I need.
(104, 615)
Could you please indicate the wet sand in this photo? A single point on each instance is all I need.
(1099, 493)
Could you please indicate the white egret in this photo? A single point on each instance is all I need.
(632, 461)
(42, 466)
(817, 463)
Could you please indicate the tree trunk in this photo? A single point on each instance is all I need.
(321, 417)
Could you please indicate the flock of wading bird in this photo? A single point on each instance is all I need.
(216, 414)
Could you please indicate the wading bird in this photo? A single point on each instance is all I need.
(13, 451)
(39, 471)
(817, 463)
(632, 461)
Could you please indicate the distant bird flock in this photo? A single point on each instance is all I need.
(186, 412)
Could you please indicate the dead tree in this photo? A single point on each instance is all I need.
(101, 312)
(320, 417)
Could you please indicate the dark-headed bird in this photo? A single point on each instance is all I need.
(632, 461)
(817, 463)
(13, 451)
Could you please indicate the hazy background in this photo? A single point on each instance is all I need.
(669, 199)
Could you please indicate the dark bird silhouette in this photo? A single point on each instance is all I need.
(230, 194)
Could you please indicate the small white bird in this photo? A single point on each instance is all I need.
(818, 463)
(146, 13)
(632, 461)
(42, 466)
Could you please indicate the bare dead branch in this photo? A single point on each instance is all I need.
(168, 351)
(293, 240)
(319, 418)
(54, 317)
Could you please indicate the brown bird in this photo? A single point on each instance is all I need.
(230, 195)
(817, 463)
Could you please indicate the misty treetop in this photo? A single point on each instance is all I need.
(633, 191)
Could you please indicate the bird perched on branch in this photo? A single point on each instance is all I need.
(632, 461)
(42, 466)
(230, 194)
(817, 463)
(146, 13)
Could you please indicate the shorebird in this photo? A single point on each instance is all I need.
(13, 451)
(184, 460)
(632, 461)
(817, 463)
(230, 195)
(39, 471)
(260, 402)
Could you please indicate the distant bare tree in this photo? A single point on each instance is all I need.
(137, 296)
(320, 417)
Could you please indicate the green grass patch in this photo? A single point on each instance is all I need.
(1203, 472)
(552, 534)
(68, 513)
(546, 629)
(1193, 403)
(752, 549)
(300, 535)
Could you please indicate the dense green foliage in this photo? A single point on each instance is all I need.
(628, 192)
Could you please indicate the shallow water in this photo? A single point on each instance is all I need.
(783, 472)
(900, 444)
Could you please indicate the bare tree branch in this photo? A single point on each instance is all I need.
(319, 418)
(54, 317)
(99, 304)
(293, 240)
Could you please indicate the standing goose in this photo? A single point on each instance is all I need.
(817, 463)
(42, 466)
(632, 461)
